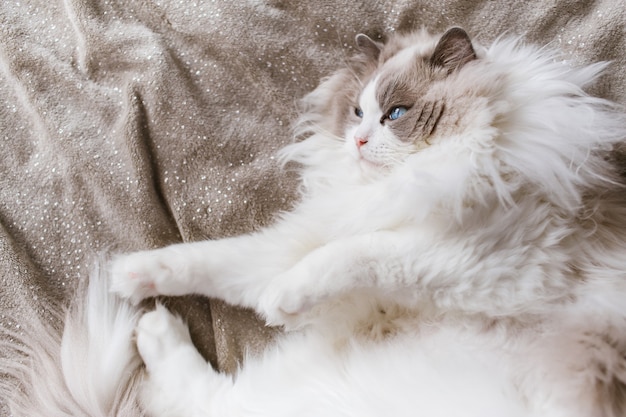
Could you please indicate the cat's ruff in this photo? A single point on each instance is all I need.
(458, 251)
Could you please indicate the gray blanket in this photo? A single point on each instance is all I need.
(133, 124)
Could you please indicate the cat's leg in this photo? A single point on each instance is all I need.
(280, 274)
(236, 269)
(379, 259)
(178, 381)
(409, 268)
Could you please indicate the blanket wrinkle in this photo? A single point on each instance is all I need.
(132, 124)
(143, 157)
(20, 96)
(78, 26)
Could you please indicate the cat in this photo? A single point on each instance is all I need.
(458, 250)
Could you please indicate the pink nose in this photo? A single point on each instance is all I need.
(360, 141)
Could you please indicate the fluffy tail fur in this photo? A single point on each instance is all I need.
(91, 369)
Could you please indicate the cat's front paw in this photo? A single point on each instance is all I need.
(288, 301)
(146, 274)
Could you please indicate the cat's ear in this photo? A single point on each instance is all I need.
(369, 47)
(453, 51)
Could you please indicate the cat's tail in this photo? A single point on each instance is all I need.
(89, 369)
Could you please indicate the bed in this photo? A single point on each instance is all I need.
(133, 124)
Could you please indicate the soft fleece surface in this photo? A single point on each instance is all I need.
(132, 124)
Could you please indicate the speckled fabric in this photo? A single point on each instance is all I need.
(132, 124)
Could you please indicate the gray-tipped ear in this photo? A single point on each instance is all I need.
(453, 51)
(368, 46)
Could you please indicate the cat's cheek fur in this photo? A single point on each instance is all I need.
(350, 144)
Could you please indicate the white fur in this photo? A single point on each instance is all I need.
(480, 276)
(92, 369)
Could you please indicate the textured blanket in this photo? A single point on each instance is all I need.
(133, 124)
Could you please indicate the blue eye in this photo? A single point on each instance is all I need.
(358, 112)
(396, 112)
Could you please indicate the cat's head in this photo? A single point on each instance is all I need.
(398, 104)
(398, 97)
(391, 100)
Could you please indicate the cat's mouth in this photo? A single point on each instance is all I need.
(367, 164)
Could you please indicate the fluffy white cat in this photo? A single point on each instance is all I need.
(459, 250)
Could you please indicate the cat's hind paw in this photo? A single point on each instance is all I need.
(174, 368)
(160, 335)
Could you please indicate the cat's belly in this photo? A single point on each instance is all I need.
(447, 372)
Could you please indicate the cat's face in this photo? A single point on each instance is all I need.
(399, 108)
